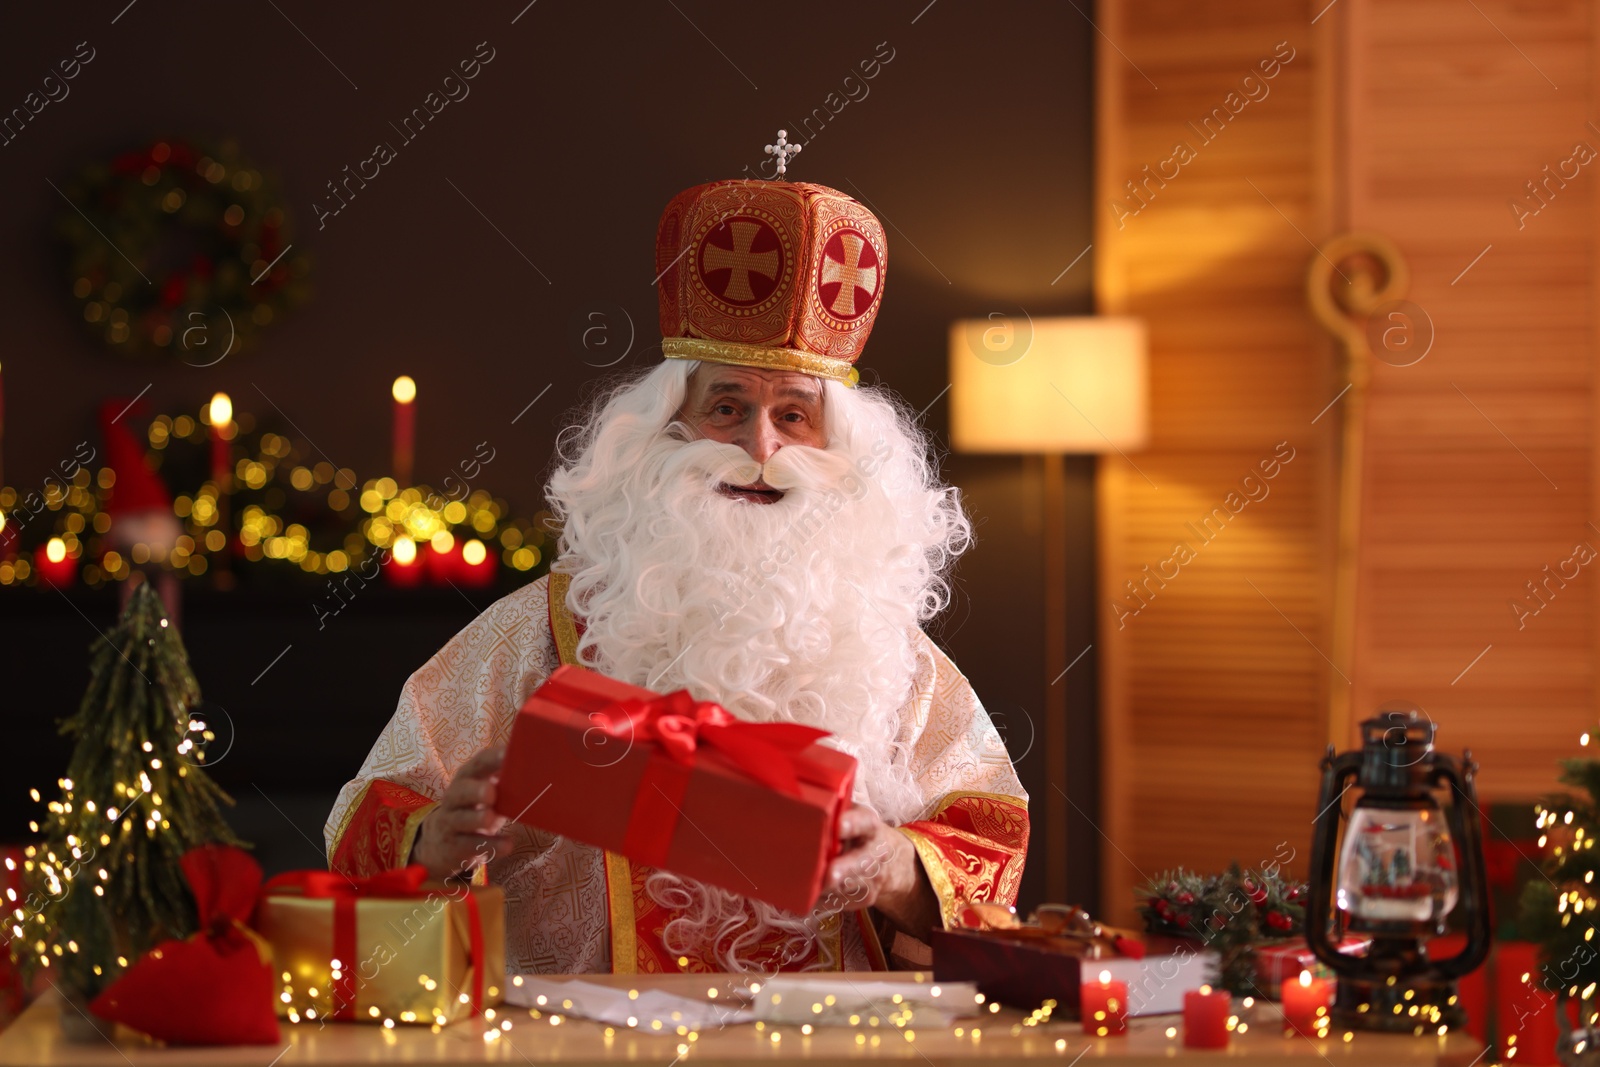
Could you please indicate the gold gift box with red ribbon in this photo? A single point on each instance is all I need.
(384, 947)
(678, 784)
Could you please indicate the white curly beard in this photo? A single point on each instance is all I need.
(803, 610)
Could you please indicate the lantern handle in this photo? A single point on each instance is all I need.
(1337, 770)
(1475, 882)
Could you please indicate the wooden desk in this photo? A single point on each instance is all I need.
(35, 1040)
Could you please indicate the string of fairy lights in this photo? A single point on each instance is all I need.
(273, 505)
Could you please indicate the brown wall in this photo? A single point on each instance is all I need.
(1420, 121)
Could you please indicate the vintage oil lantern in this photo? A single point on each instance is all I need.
(1404, 867)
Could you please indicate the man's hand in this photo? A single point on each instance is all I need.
(464, 830)
(878, 868)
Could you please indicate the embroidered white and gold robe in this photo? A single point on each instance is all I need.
(573, 908)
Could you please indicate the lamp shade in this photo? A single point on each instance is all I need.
(1065, 385)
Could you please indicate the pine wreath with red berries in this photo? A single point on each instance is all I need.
(180, 248)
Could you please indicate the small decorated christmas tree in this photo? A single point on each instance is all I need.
(105, 883)
(1559, 910)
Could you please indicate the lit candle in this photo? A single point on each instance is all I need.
(219, 413)
(53, 565)
(1304, 1001)
(477, 564)
(405, 428)
(1205, 1018)
(1104, 1006)
(404, 568)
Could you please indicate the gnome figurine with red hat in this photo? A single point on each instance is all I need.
(139, 505)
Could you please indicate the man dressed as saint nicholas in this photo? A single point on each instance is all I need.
(747, 522)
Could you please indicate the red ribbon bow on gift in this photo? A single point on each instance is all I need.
(215, 988)
(345, 892)
(679, 724)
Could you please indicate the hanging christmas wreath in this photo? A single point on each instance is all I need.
(180, 249)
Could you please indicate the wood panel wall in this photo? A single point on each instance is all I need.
(1422, 120)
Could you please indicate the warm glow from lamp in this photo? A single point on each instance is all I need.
(1061, 385)
(405, 390)
(405, 551)
(220, 411)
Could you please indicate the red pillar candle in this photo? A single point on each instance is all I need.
(404, 568)
(405, 428)
(477, 565)
(53, 565)
(1305, 1001)
(1104, 1006)
(1205, 1018)
(444, 559)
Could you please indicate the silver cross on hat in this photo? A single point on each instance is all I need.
(783, 150)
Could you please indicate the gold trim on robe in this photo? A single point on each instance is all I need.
(408, 840)
(563, 627)
(624, 935)
(344, 819)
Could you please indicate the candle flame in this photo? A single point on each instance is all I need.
(405, 551)
(56, 550)
(220, 411)
(1105, 977)
(473, 552)
(1205, 990)
(405, 389)
(1305, 979)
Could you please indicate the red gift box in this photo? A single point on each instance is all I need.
(678, 784)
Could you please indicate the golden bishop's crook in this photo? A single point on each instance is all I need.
(1377, 275)
(783, 150)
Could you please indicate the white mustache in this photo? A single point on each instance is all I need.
(790, 467)
(800, 467)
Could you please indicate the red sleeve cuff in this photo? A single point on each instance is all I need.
(379, 830)
(973, 849)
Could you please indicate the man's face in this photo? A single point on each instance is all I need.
(758, 410)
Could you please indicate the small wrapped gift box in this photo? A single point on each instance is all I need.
(385, 947)
(1282, 961)
(678, 784)
(1025, 972)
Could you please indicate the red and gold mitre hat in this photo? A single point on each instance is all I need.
(770, 274)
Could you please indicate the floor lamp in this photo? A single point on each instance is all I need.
(1051, 387)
